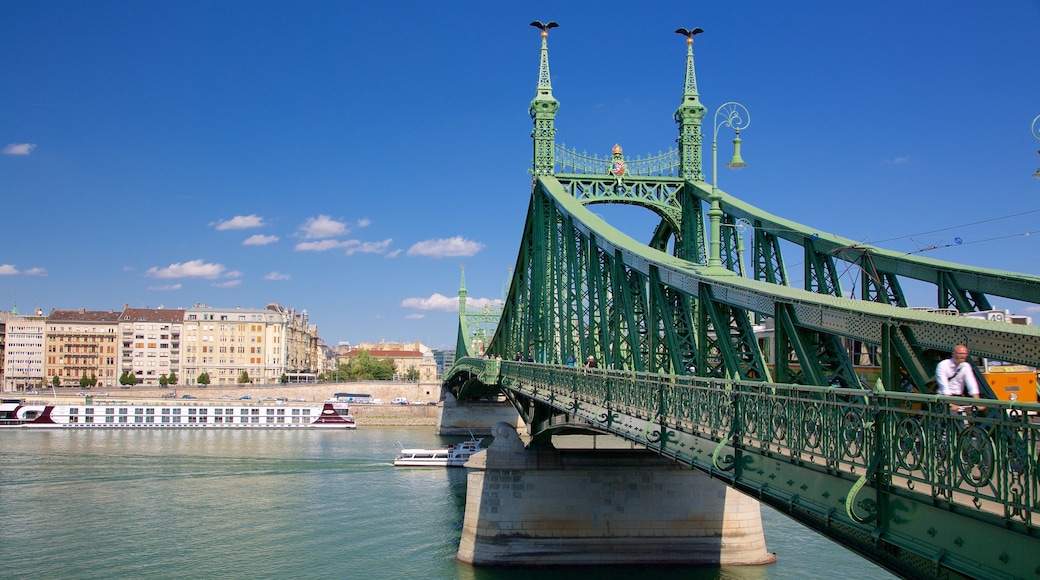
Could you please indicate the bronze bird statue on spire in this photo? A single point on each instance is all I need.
(544, 27)
(689, 33)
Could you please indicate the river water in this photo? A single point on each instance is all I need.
(278, 504)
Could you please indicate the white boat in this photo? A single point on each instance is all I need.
(16, 413)
(451, 456)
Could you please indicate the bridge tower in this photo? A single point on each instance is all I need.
(543, 109)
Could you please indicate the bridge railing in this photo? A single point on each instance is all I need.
(984, 460)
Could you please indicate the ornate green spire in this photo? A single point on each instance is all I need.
(688, 116)
(462, 296)
(543, 109)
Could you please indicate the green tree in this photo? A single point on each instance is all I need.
(93, 380)
(203, 379)
(243, 378)
(55, 381)
(172, 379)
(84, 381)
(163, 381)
(368, 368)
(412, 375)
(131, 379)
(283, 379)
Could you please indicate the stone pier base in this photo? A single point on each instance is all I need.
(460, 418)
(569, 507)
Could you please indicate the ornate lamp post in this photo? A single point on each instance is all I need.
(736, 117)
(1035, 130)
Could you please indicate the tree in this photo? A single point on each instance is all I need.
(84, 381)
(243, 378)
(55, 381)
(283, 379)
(203, 379)
(172, 379)
(163, 381)
(93, 380)
(367, 368)
(131, 379)
(412, 375)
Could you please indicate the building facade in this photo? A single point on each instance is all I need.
(81, 343)
(225, 343)
(151, 344)
(24, 352)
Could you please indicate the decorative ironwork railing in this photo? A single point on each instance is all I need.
(570, 161)
(985, 461)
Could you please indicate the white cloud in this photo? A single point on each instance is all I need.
(441, 303)
(228, 284)
(165, 288)
(367, 247)
(322, 226)
(441, 248)
(11, 270)
(192, 269)
(19, 148)
(232, 274)
(900, 160)
(394, 253)
(415, 316)
(437, 303)
(259, 240)
(363, 222)
(241, 222)
(277, 276)
(321, 246)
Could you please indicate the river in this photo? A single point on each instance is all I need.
(279, 504)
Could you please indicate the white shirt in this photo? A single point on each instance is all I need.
(954, 378)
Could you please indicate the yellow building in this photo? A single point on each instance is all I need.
(224, 343)
(80, 343)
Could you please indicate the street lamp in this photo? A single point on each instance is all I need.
(736, 117)
(1035, 130)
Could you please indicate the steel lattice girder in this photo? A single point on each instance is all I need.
(619, 307)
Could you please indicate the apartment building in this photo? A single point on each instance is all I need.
(224, 343)
(24, 352)
(82, 343)
(150, 344)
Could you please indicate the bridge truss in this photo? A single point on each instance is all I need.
(879, 466)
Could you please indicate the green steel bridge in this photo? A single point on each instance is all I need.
(880, 466)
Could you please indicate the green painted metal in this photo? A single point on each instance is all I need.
(543, 111)
(882, 468)
(892, 476)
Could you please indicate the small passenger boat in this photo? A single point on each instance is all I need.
(170, 415)
(451, 456)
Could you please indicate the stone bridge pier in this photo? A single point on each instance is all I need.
(616, 506)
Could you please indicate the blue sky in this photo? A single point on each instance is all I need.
(347, 158)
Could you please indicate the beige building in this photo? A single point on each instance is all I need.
(302, 356)
(225, 342)
(82, 343)
(406, 357)
(24, 352)
(150, 341)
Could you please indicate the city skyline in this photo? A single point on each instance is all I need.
(327, 158)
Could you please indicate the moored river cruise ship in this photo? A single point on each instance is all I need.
(197, 414)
